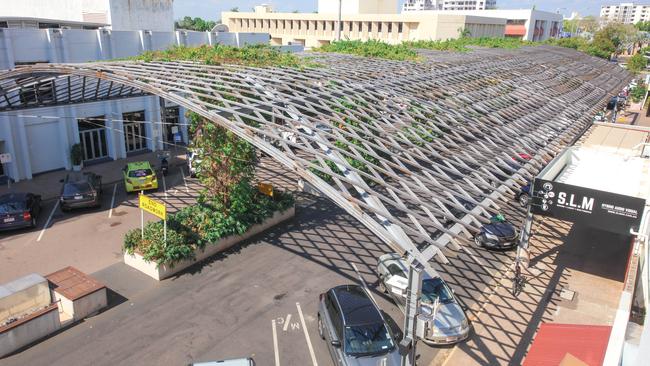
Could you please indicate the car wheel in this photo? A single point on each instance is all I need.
(524, 199)
(320, 328)
(382, 287)
(477, 241)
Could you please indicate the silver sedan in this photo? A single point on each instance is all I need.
(439, 308)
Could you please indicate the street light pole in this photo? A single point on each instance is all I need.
(338, 25)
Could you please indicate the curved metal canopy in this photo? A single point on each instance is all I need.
(420, 152)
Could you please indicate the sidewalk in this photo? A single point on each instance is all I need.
(48, 185)
(568, 263)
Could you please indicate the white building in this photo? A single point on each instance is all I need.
(627, 13)
(38, 133)
(527, 24)
(350, 7)
(153, 15)
(417, 5)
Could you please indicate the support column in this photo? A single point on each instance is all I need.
(21, 135)
(66, 125)
(152, 126)
(7, 135)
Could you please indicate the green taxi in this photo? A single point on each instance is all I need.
(139, 176)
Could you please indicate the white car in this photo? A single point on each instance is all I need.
(450, 324)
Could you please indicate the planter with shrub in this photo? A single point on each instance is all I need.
(76, 157)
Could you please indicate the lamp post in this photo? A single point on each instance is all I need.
(338, 24)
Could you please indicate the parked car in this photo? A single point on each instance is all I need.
(81, 190)
(450, 324)
(355, 329)
(523, 197)
(230, 362)
(498, 234)
(193, 162)
(19, 210)
(139, 176)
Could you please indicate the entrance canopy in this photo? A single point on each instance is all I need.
(422, 153)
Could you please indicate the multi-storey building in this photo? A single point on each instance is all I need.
(627, 13)
(416, 5)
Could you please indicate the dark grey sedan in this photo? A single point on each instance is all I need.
(81, 190)
(18, 210)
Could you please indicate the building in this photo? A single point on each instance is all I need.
(349, 7)
(627, 13)
(317, 29)
(126, 15)
(417, 5)
(527, 24)
(108, 122)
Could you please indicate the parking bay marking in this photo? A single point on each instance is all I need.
(304, 329)
(47, 223)
(110, 212)
(275, 343)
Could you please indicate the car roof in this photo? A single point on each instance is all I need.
(13, 197)
(138, 165)
(76, 177)
(389, 258)
(356, 306)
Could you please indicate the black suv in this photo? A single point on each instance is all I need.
(354, 328)
(81, 190)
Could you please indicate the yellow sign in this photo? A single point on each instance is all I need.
(153, 206)
(265, 188)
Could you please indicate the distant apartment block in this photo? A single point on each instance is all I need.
(627, 13)
(418, 5)
(357, 7)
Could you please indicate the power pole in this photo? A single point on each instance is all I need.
(338, 25)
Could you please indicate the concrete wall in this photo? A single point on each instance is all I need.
(155, 15)
(29, 331)
(165, 270)
(23, 295)
(83, 307)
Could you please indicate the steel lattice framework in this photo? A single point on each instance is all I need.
(422, 153)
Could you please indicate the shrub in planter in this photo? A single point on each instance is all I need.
(76, 154)
(153, 247)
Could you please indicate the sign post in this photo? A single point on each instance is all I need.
(156, 208)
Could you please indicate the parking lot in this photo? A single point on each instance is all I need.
(259, 299)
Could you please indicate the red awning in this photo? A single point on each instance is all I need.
(557, 342)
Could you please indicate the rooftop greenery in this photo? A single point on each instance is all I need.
(372, 48)
(251, 55)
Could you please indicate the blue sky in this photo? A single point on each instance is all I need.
(211, 9)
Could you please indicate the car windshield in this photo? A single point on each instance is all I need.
(140, 173)
(76, 188)
(369, 339)
(434, 288)
(10, 207)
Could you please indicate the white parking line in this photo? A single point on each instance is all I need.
(40, 236)
(275, 344)
(286, 323)
(110, 212)
(304, 329)
(164, 186)
(363, 282)
(187, 190)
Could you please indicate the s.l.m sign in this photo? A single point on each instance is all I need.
(605, 210)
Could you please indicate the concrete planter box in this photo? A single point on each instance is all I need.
(29, 329)
(163, 271)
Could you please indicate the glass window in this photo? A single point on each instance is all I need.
(139, 173)
(433, 289)
(396, 270)
(76, 188)
(368, 339)
(10, 207)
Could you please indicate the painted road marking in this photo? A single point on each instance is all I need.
(110, 212)
(286, 323)
(304, 329)
(40, 236)
(363, 282)
(275, 344)
(187, 190)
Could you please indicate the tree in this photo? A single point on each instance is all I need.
(227, 164)
(643, 26)
(637, 63)
(196, 24)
